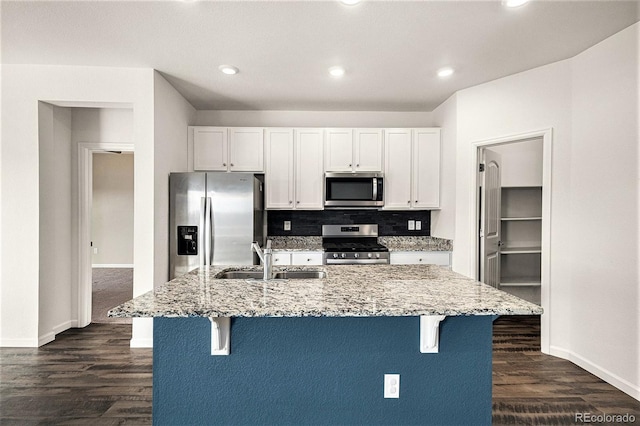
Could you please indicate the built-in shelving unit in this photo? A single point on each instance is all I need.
(521, 235)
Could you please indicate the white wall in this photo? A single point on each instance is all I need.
(22, 87)
(112, 210)
(55, 223)
(604, 206)
(521, 163)
(443, 220)
(173, 114)
(313, 119)
(593, 112)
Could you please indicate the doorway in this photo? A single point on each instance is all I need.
(111, 233)
(515, 258)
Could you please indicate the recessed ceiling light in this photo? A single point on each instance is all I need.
(445, 72)
(514, 3)
(350, 2)
(336, 71)
(228, 69)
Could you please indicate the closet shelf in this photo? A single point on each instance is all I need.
(521, 218)
(521, 250)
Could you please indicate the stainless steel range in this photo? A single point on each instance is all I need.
(352, 244)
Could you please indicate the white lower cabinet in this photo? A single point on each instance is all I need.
(421, 257)
(297, 258)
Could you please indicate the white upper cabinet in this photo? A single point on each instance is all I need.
(412, 169)
(210, 148)
(426, 168)
(368, 150)
(397, 169)
(279, 176)
(228, 149)
(353, 150)
(294, 177)
(309, 184)
(339, 150)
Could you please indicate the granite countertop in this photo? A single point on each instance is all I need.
(348, 291)
(400, 243)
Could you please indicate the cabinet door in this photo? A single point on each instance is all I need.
(282, 258)
(442, 258)
(397, 169)
(210, 148)
(309, 182)
(279, 168)
(306, 258)
(339, 150)
(368, 150)
(426, 168)
(246, 149)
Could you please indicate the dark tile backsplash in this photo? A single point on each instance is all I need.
(309, 223)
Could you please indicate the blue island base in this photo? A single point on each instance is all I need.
(322, 371)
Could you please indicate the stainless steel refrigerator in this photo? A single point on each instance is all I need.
(213, 218)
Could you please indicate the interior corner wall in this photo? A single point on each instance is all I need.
(604, 205)
(443, 220)
(593, 114)
(23, 86)
(314, 118)
(55, 248)
(172, 115)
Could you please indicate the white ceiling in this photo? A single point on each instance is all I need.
(391, 49)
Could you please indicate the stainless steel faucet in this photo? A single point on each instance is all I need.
(266, 257)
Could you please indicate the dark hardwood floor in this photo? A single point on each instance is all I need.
(90, 376)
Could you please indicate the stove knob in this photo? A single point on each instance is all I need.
(378, 255)
(343, 255)
(369, 255)
(335, 255)
(356, 255)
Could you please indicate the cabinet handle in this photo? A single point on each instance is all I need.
(308, 260)
(357, 165)
(416, 201)
(419, 260)
(290, 202)
(409, 202)
(297, 202)
(231, 164)
(224, 164)
(349, 165)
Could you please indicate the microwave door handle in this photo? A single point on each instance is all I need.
(375, 189)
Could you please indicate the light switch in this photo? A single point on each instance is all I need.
(418, 225)
(411, 225)
(287, 225)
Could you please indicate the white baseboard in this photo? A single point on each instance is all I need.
(46, 338)
(624, 385)
(112, 265)
(141, 343)
(19, 343)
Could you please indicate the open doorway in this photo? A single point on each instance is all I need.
(513, 255)
(111, 233)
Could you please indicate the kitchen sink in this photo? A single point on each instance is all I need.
(239, 275)
(283, 275)
(300, 275)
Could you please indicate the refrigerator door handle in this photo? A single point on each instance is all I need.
(202, 233)
(208, 242)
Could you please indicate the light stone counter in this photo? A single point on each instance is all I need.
(295, 243)
(348, 291)
(409, 243)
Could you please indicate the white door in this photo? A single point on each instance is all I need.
(279, 164)
(339, 150)
(397, 169)
(309, 182)
(368, 150)
(490, 217)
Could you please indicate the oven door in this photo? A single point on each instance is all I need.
(354, 190)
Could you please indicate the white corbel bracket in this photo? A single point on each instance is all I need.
(220, 335)
(429, 333)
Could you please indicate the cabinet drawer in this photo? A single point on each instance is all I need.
(306, 258)
(281, 258)
(421, 257)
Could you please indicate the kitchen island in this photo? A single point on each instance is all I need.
(315, 351)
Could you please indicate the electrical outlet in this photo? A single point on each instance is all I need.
(418, 225)
(392, 386)
(411, 225)
(287, 225)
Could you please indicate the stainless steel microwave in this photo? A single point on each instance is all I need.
(354, 190)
